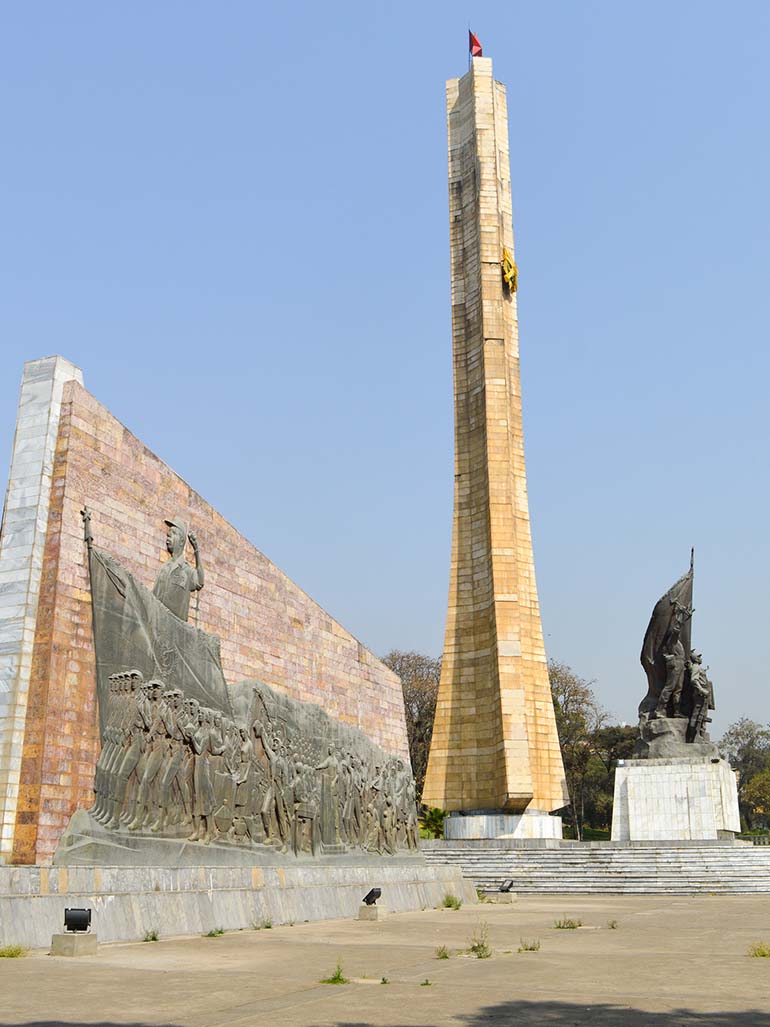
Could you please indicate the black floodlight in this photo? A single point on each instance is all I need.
(371, 896)
(507, 885)
(77, 920)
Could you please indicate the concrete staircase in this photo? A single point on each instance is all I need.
(596, 868)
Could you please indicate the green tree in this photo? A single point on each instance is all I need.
(746, 744)
(419, 682)
(432, 821)
(615, 742)
(756, 795)
(579, 718)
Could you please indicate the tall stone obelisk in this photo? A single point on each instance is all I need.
(495, 753)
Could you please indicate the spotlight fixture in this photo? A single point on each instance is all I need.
(506, 886)
(77, 920)
(371, 896)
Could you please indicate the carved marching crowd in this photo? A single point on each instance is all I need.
(176, 768)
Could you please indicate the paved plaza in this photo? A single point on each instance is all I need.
(670, 962)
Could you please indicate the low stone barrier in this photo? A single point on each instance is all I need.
(127, 902)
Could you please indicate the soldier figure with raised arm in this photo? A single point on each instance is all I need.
(177, 578)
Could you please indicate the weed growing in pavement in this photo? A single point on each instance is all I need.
(479, 942)
(759, 950)
(442, 952)
(451, 902)
(336, 977)
(612, 924)
(530, 946)
(567, 925)
(151, 935)
(215, 932)
(12, 951)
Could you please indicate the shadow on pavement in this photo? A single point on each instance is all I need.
(567, 1014)
(528, 1014)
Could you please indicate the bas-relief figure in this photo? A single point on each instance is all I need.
(176, 578)
(674, 713)
(185, 756)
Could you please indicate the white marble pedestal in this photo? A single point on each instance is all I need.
(530, 824)
(688, 799)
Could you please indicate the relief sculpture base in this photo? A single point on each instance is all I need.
(87, 843)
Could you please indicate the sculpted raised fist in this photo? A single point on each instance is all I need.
(193, 538)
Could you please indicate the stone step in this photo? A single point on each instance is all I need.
(664, 869)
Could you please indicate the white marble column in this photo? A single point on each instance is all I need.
(22, 540)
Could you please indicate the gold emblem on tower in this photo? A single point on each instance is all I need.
(510, 271)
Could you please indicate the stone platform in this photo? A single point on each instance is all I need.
(685, 799)
(528, 825)
(127, 902)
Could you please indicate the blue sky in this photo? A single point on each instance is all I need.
(234, 218)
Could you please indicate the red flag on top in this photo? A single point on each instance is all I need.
(474, 45)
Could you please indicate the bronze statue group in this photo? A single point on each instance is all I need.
(172, 767)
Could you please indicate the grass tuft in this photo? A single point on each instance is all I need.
(612, 924)
(336, 977)
(479, 942)
(12, 951)
(442, 952)
(151, 935)
(567, 925)
(530, 946)
(426, 983)
(451, 902)
(215, 932)
(384, 980)
(759, 950)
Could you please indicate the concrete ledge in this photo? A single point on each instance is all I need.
(129, 901)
